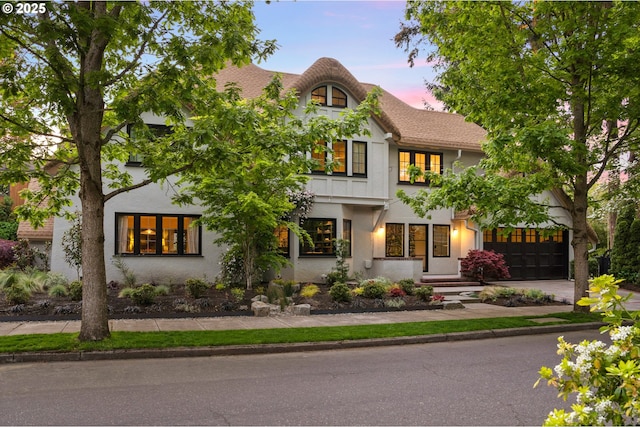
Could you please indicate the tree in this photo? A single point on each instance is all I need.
(625, 253)
(554, 85)
(76, 75)
(245, 185)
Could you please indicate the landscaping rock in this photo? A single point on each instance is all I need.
(260, 309)
(261, 298)
(302, 310)
(452, 305)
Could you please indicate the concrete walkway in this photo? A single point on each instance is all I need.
(562, 289)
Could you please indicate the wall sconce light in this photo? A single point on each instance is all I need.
(455, 231)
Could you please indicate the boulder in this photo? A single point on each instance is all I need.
(302, 310)
(261, 298)
(452, 305)
(260, 309)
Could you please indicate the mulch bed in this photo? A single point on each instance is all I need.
(213, 303)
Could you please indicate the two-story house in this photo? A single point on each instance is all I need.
(356, 201)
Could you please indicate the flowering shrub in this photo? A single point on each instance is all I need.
(605, 379)
(480, 264)
(437, 299)
(303, 204)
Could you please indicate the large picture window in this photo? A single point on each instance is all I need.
(152, 234)
(425, 161)
(441, 240)
(282, 234)
(394, 240)
(323, 234)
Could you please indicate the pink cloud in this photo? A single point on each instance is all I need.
(417, 97)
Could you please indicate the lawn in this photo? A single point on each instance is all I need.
(156, 340)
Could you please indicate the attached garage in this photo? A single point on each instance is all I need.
(531, 255)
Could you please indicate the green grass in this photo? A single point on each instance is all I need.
(146, 340)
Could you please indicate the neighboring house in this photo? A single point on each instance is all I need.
(355, 202)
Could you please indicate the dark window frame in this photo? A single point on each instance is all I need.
(353, 158)
(347, 234)
(136, 160)
(316, 229)
(344, 163)
(437, 243)
(158, 220)
(334, 97)
(387, 236)
(314, 96)
(412, 161)
(425, 264)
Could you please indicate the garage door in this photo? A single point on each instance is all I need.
(529, 254)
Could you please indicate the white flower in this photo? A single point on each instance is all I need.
(621, 333)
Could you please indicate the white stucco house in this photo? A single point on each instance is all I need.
(355, 202)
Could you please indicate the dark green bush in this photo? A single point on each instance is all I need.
(424, 293)
(196, 288)
(340, 292)
(142, 295)
(373, 289)
(75, 290)
(408, 286)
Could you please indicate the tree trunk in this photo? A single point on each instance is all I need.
(580, 244)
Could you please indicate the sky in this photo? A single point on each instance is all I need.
(359, 34)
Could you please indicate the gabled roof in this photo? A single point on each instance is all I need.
(409, 126)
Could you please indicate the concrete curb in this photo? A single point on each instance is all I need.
(30, 357)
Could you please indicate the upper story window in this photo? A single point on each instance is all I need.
(338, 98)
(359, 158)
(156, 131)
(424, 160)
(319, 154)
(343, 152)
(151, 234)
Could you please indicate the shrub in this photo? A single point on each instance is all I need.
(75, 290)
(6, 253)
(58, 290)
(437, 299)
(375, 288)
(395, 291)
(162, 290)
(55, 279)
(8, 230)
(332, 278)
(480, 264)
(357, 291)
(238, 294)
(196, 288)
(142, 295)
(394, 303)
(604, 378)
(424, 293)
(16, 293)
(309, 291)
(408, 286)
(340, 292)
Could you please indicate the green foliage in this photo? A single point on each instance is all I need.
(408, 286)
(340, 292)
(196, 288)
(309, 291)
(32, 280)
(72, 244)
(394, 303)
(55, 279)
(375, 288)
(25, 256)
(58, 290)
(625, 254)
(341, 273)
(288, 286)
(605, 379)
(75, 290)
(16, 293)
(424, 293)
(238, 294)
(8, 230)
(142, 295)
(549, 75)
(128, 274)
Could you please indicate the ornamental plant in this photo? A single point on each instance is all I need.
(340, 292)
(395, 291)
(605, 379)
(309, 290)
(480, 264)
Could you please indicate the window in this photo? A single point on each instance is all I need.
(323, 234)
(282, 234)
(338, 98)
(394, 240)
(359, 161)
(346, 235)
(487, 236)
(319, 154)
(441, 239)
(530, 235)
(319, 95)
(149, 234)
(425, 161)
(501, 237)
(339, 157)
(418, 243)
(155, 131)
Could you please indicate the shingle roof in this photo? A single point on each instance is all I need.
(408, 125)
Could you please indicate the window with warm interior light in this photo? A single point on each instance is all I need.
(149, 234)
(441, 240)
(394, 240)
(323, 233)
(424, 160)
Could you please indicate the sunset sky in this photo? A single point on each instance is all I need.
(359, 34)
